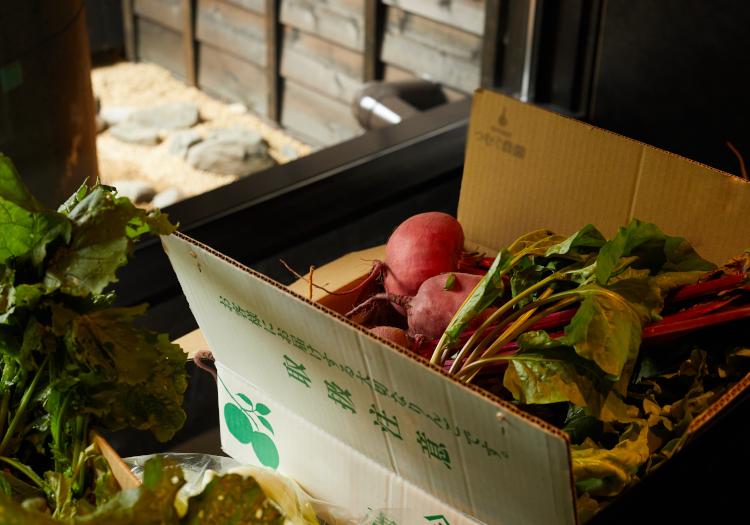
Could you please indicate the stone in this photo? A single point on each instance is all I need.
(288, 151)
(181, 141)
(235, 134)
(238, 108)
(101, 124)
(135, 133)
(170, 116)
(167, 197)
(137, 191)
(234, 151)
(115, 114)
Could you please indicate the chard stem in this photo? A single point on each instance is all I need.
(510, 334)
(504, 308)
(23, 468)
(22, 408)
(523, 327)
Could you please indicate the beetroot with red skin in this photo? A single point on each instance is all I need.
(394, 335)
(422, 247)
(430, 311)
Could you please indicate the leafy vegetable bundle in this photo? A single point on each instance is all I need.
(226, 499)
(584, 332)
(70, 360)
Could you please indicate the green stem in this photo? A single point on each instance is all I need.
(77, 442)
(82, 475)
(20, 414)
(511, 334)
(504, 308)
(57, 432)
(23, 468)
(4, 410)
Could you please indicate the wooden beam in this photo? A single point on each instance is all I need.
(274, 36)
(374, 29)
(129, 29)
(188, 40)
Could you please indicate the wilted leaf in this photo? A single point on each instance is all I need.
(602, 472)
(232, 499)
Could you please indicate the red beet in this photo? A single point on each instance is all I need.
(422, 247)
(433, 307)
(394, 335)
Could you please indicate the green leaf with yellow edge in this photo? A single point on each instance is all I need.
(601, 472)
(98, 247)
(105, 486)
(608, 326)
(26, 227)
(531, 239)
(657, 251)
(585, 240)
(549, 370)
(232, 499)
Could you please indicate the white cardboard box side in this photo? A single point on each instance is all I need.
(324, 467)
(444, 438)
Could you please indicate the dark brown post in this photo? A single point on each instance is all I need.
(129, 29)
(188, 40)
(274, 34)
(374, 28)
(492, 45)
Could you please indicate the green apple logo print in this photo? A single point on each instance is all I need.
(243, 420)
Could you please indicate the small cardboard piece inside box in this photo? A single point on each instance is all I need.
(409, 435)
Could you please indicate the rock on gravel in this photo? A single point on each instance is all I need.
(101, 124)
(171, 116)
(288, 151)
(234, 151)
(181, 141)
(135, 133)
(137, 191)
(167, 197)
(115, 114)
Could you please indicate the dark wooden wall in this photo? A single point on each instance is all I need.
(301, 62)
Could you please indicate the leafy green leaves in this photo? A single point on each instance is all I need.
(232, 499)
(602, 472)
(549, 370)
(655, 250)
(69, 358)
(609, 324)
(26, 228)
(489, 289)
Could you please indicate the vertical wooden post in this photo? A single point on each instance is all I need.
(188, 40)
(492, 44)
(274, 34)
(374, 28)
(129, 29)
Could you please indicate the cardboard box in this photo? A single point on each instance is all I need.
(365, 424)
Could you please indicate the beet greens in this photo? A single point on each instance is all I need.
(70, 360)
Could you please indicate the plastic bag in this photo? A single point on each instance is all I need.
(297, 505)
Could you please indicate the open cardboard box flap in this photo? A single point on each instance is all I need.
(526, 169)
